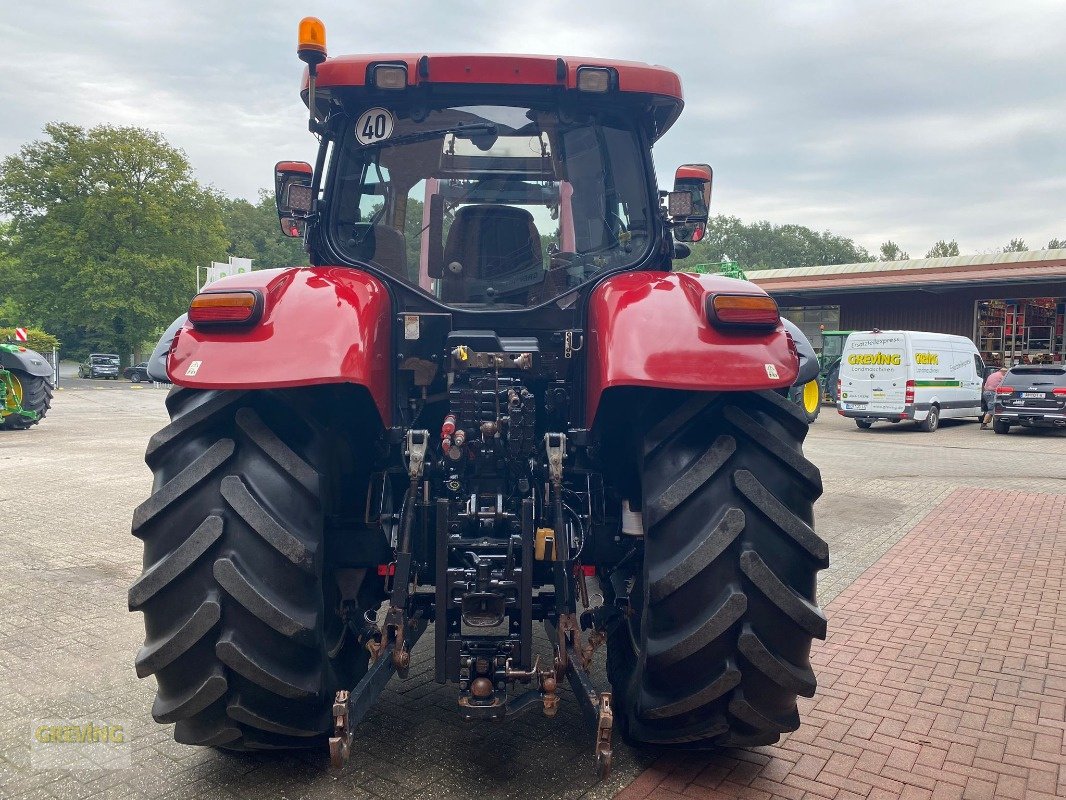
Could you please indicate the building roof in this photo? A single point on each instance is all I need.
(1025, 267)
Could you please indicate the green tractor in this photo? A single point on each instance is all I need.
(25, 387)
(829, 361)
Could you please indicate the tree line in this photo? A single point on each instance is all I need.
(102, 229)
(763, 245)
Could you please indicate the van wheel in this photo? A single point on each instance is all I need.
(865, 424)
(932, 421)
(1000, 426)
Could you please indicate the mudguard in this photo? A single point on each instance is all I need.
(26, 360)
(650, 329)
(808, 359)
(319, 325)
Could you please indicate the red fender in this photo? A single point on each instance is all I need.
(650, 329)
(319, 325)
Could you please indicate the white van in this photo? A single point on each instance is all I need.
(897, 375)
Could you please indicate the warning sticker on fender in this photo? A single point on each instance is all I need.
(194, 367)
(771, 372)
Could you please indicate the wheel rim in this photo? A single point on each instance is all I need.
(12, 397)
(810, 396)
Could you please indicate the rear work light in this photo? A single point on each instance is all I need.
(742, 311)
(390, 76)
(226, 308)
(594, 79)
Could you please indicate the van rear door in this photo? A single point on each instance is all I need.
(873, 373)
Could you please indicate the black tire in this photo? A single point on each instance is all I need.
(932, 420)
(36, 397)
(239, 619)
(864, 424)
(724, 609)
(1000, 425)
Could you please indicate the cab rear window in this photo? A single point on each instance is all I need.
(1029, 376)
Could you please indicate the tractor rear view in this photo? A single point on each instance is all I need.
(489, 405)
(25, 387)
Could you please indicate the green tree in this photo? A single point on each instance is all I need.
(890, 251)
(943, 249)
(1016, 246)
(253, 232)
(36, 339)
(107, 225)
(763, 245)
(1056, 244)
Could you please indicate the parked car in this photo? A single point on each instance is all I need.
(1033, 396)
(898, 375)
(100, 365)
(137, 373)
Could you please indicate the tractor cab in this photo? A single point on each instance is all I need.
(484, 182)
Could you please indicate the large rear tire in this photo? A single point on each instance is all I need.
(238, 616)
(717, 646)
(35, 393)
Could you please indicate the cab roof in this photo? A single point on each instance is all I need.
(663, 85)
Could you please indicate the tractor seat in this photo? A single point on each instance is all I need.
(381, 245)
(491, 243)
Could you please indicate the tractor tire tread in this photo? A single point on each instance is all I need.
(720, 649)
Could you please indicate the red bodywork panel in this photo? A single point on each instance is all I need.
(498, 68)
(319, 325)
(506, 70)
(649, 329)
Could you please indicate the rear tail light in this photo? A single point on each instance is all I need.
(1059, 391)
(742, 311)
(1002, 390)
(908, 397)
(226, 308)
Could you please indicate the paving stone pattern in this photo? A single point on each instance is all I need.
(944, 673)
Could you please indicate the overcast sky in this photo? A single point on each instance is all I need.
(910, 121)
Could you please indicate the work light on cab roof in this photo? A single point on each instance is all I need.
(489, 402)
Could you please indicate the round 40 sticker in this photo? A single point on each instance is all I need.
(374, 125)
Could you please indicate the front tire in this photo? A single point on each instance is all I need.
(35, 394)
(238, 617)
(717, 646)
(1000, 426)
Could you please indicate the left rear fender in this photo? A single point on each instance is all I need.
(319, 325)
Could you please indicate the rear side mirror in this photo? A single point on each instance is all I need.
(292, 193)
(690, 219)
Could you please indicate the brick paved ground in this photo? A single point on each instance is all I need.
(67, 641)
(944, 673)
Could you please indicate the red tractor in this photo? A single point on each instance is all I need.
(490, 403)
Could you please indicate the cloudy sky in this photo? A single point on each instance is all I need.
(910, 121)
